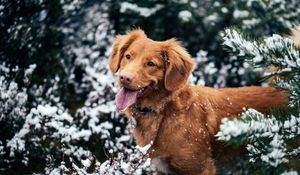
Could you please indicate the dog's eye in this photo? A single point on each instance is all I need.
(150, 64)
(127, 56)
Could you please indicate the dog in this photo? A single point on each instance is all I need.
(178, 119)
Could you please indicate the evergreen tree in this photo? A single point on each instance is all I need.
(57, 95)
(29, 34)
(272, 140)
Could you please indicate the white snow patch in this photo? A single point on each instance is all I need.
(144, 149)
(185, 15)
(143, 11)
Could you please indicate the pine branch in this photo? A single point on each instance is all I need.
(276, 50)
(266, 136)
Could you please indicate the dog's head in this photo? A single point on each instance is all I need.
(145, 65)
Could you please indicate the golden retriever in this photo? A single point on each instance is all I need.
(180, 120)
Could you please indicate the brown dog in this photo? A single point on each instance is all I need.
(179, 119)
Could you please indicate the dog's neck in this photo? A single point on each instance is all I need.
(149, 113)
(157, 100)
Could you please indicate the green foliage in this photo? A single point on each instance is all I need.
(29, 34)
(65, 44)
(272, 140)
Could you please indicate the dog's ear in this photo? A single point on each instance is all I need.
(179, 65)
(120, 45)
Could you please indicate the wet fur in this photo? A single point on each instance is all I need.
(185, 118)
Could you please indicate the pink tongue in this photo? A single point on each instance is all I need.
(125, 98)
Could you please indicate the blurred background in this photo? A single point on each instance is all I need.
(57, 113)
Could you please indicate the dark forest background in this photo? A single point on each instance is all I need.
(57, 113)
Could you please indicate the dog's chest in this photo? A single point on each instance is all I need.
(160, 165)
(145, 127)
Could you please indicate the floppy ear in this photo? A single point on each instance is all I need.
(179, 65)
(120, 45)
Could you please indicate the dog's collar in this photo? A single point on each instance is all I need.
(137, 110)
(144, 110)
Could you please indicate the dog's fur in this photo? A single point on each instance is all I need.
(184, 118)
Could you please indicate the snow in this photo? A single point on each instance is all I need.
(142, 11)
(43, 15)
(29, 71)
(224, 10)
(47, 110)
(73, 5)
(249, 23)
(235, 41)
(144, 149)
(260, 126)
(85, 134)
(240, 13)
(210, 68)
(193, 4)
(16, 144)
(160, 165)
(55, 171)
(258, 59)
(86, 163)
(124, 138)
(185, 15)
(264, 51)
(290, 173)
(275, 158)
(119, 165)
(39, 116)
(211, 18)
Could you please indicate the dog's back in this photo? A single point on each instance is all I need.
(228, 102)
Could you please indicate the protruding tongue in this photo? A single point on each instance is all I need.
(125, 98)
